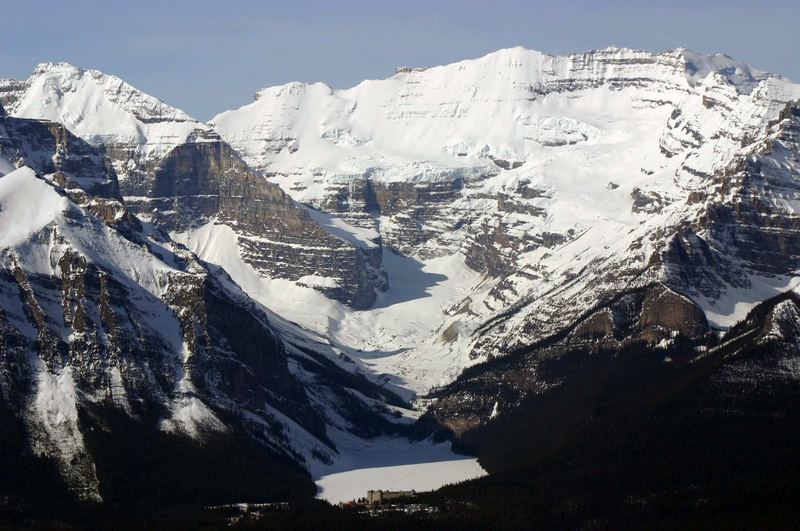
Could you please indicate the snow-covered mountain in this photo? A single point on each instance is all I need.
(390, 237)
(558, 180)
(137, 129)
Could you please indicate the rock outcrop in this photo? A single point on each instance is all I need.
(205, 182)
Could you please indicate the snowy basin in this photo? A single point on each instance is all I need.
(394, 464)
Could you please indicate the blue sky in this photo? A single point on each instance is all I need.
(207, 56)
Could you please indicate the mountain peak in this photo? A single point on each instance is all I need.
(292, 88)
(89, 101)
(739, 74)
(103, 110)
(45, 67)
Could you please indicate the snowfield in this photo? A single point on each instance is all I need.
(393, 464)
(27, 205)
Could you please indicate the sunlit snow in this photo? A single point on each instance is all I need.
(392, 464)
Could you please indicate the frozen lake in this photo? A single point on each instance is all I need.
(393, 464)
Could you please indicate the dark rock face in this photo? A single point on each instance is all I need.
(201, 181)
(646, 316)
(414, 208)
(426, 218)
(667, 311)
(69, 162)
(508, 165)
(763, 234)
(646, 202)
(491, 250)
(745, 226)
(10, 89)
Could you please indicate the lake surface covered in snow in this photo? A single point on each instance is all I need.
(393, 464)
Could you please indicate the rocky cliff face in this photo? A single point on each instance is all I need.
(201, 183)
(69, 162)
(653, 315)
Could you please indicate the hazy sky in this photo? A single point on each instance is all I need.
(207, 56)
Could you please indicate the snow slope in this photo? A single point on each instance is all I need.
(27, 205)
(512, 104)
(396, 339)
